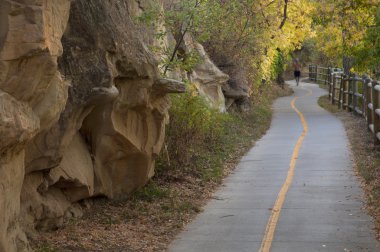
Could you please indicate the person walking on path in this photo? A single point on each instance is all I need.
(297, 70)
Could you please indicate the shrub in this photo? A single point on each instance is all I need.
(195, 129)
(200, 139)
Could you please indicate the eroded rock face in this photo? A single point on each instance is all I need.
(113, 77)
(32, 95)
(82, 108)
(11, 179)
(209, 80)
(206, 76)
(237, 89)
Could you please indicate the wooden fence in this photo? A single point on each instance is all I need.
(360, 95)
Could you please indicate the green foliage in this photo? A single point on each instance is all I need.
(195, 128)
(368, 54)
(199, 140)
(246, 31)
(325, 103)
(46, 248)
(194, 115)
(151, 192)
(150, 15)
(110, 220)
(340, 29)
(278, 65)
(186, 61)
(178, 19)
(251, 32)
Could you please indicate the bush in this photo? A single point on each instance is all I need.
(200, 140)
(278, 65)
(194, 131)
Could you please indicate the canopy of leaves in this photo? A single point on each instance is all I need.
(249, 31)
(368, 52)
(259, 33)
(341, 28)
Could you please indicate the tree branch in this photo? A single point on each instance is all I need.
(285, 15)
(182, 37)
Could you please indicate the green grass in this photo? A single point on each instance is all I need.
(325, 103)
(110, 220)
(45, 248)
(150, 192)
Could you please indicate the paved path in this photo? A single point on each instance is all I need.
(320, 209)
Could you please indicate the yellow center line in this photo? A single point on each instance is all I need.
(275, 215)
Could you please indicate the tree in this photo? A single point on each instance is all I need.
(368, 53)
(250, 33)
(340, 27)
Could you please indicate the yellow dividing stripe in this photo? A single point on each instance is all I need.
(275, 215)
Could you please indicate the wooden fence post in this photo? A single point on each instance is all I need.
(349, 105)
(315, 73)
(345, 92)
(333, 89)
(364, 98)
(368, 101)
(354, 91)
(310, 72)
(376, 110)
(327, 75)
(340, 98)
(330, 85)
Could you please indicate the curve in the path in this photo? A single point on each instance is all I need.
(323, 208)
(267, 241)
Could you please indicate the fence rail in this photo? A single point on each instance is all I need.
(360, 95)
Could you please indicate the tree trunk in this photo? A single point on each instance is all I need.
(347, 64)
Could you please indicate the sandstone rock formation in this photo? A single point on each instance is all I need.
(206, 76)
(209, 80)
(33, 94)
(237, 89)
(82, 108)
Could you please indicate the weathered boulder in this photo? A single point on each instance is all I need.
(209, 79)
(235, 93)
(237, 89)
(205, 75)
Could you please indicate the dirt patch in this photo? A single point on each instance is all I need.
(366, 157)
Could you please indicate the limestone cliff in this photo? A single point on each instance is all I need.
(82, 108)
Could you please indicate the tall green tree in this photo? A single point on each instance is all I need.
(340, 27)
(368, 53)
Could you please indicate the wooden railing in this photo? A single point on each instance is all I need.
(360, 95)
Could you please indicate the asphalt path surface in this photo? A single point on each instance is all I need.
(294, 191)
